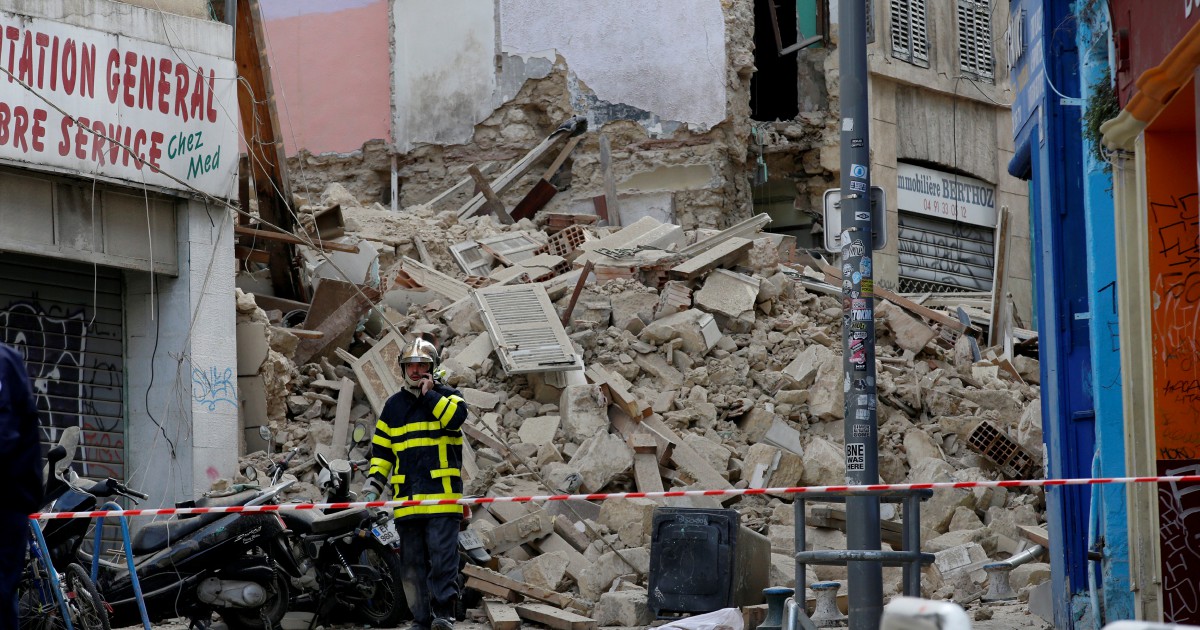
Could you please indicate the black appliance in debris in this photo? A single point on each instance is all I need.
(701, 560)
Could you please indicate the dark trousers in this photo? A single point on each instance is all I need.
(429, 555)
(14, 540)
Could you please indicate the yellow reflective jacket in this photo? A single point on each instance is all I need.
(417, 449)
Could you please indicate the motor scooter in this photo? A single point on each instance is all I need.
(347, 560)
(228, 563)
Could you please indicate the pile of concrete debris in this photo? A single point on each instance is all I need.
(688, 359)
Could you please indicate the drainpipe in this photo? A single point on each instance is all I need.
(1094, 558)
(1025, 556)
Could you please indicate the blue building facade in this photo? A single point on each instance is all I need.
(1066, 200)
(1110, 592)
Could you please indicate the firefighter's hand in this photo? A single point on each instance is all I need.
(370, 496)
(426, 383)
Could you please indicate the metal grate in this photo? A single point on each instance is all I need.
(993, 444)
(910, 32)
(975, 56)
(525, 328)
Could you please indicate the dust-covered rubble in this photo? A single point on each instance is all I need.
(735, 372)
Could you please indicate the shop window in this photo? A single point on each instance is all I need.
(910, 32)
(975, 57)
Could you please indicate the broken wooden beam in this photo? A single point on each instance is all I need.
(635, 407)
(495, 590)
(501, 616)
(834, 277)
(555, 618)
(645, 462)
(690, 462)
(292, 239)
(347, 315)
(522, 588)
(722, 254)
(508, 177)
(583, 276)
(834, 517)
(493, 200)
(486, 169)
(626, 426)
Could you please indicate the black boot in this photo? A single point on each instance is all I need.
(443, 614)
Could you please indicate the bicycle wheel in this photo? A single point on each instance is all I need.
(37, 604)
(87, 607)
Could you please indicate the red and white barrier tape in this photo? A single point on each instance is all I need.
(1023, 483)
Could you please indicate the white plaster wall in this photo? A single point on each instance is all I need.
(663, 56)
(444, 73)
(189, 389)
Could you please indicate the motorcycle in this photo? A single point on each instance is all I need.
(346, 559)
(190, 567)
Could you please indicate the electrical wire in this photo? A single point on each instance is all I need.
(307, 241)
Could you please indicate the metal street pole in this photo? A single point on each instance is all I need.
(858, 321)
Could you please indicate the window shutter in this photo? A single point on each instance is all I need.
(975, 57)
(920, 33)
(910, 32)
(525, 328)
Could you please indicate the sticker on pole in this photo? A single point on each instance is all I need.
(856, 457)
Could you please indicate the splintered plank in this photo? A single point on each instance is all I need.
(636, 408)
(501, 616)
(495, 590)
(555, 618)
(528, 590)
(688, 461)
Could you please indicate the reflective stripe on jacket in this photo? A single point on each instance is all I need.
(417, 449)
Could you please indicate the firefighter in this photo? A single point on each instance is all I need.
(417, 449)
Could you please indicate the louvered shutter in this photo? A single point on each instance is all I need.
(910, 32)
(975, 57)
(525, 329)
(471, 258)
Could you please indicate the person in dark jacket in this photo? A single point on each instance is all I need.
(417, 450)
(21, 468)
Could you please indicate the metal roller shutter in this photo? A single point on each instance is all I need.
(66, 319)
(943, 256)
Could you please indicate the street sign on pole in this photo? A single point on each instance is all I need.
(833, 219)
(858, 322)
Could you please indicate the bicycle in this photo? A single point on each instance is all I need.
(48, 600)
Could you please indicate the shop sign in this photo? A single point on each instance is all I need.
(945, 195)
(97, 103)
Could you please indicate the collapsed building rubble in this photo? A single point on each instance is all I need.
(646, 357)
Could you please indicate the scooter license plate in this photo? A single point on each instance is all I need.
(386, 534)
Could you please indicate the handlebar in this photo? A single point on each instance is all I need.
(277, 469)
(110, 486)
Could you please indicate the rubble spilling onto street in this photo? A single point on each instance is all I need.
(688, 359)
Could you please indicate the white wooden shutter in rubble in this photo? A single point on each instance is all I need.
(514, 247)
(525, 328)
(975, 57)
(473, 260)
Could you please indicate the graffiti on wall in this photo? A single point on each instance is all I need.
(1175, 291)
(1179, 518)
(214, 387)
(74, 368)
(1174, 256)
